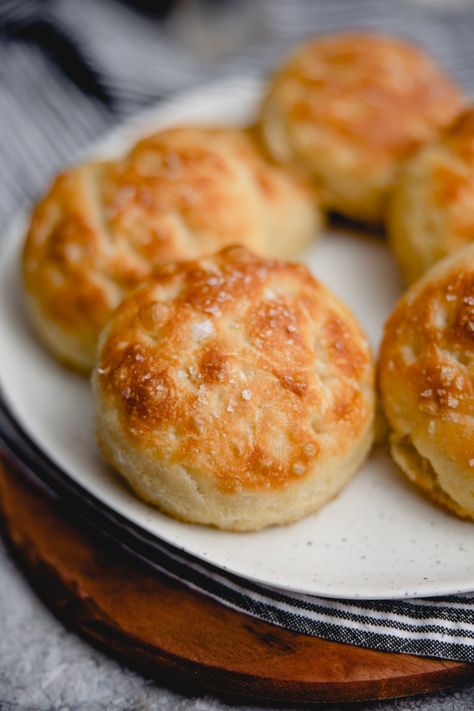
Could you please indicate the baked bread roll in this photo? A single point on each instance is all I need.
(426, 376)
(350, 108)
(431, 211)
(181, 193)
(234, 391)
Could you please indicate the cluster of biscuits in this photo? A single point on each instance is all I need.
(232, 388)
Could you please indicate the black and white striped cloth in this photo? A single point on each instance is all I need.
(71, 69)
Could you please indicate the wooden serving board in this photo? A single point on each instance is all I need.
(167, 631)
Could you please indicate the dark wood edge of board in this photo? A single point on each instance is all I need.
(180, 637)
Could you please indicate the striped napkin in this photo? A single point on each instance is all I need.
(72, 69)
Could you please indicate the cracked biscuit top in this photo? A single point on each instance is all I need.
(244, 368)
(181, 193)
(350, 108)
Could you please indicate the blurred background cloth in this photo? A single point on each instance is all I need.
(71, 69)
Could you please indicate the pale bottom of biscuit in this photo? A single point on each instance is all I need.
(70, 350)
(194, 497)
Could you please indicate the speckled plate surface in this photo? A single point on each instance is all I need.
(378, 539)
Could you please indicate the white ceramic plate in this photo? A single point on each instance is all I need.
(378, 539)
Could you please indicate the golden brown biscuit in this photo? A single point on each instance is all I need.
(234, 391)
(181, 193)
(349, 109)
(426, 377)
(431, 211)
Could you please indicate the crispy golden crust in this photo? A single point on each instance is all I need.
(431, 211)
(426, 377)
(181, 193)
(247, 375)
(350, 108)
